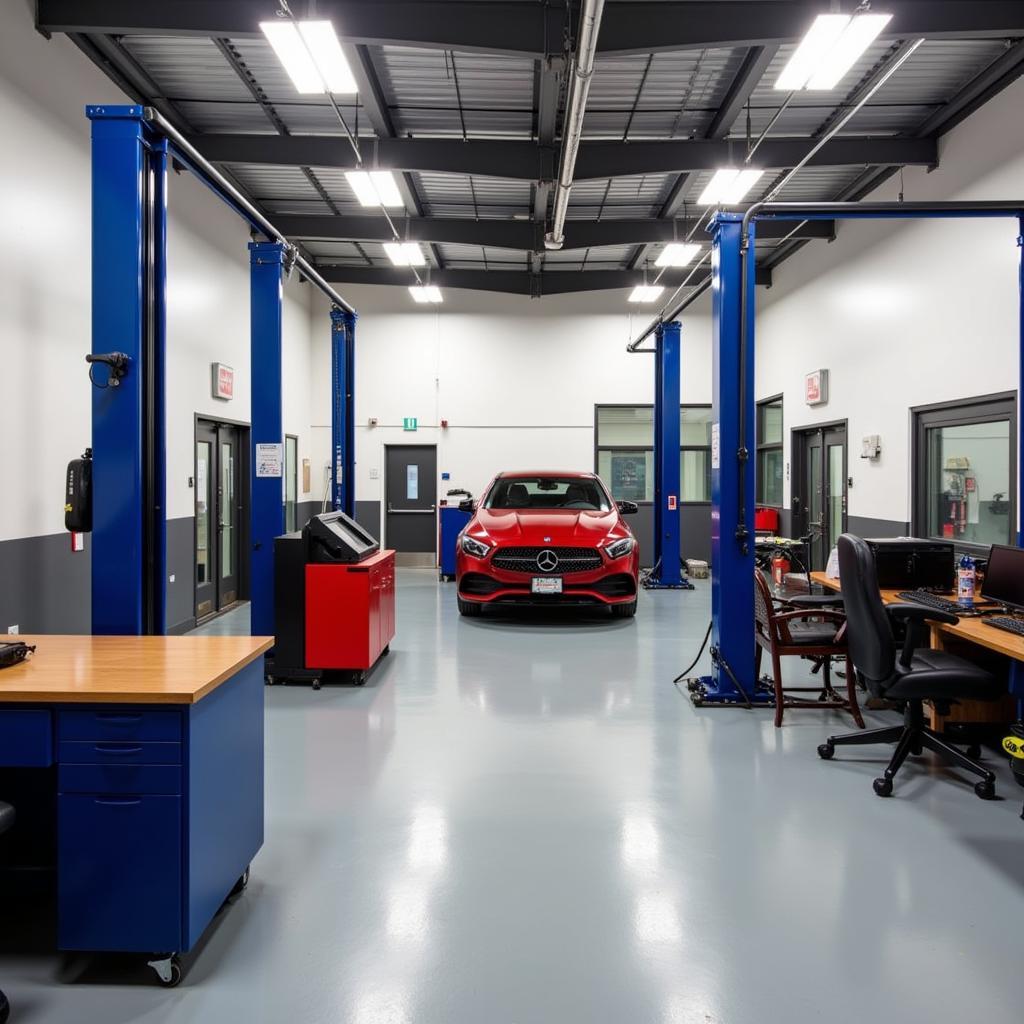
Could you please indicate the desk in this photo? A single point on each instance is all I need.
(971, 630)
(156, 748)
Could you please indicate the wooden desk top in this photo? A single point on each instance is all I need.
(127, 669)
(971, 629)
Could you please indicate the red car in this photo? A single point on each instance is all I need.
(548, 538)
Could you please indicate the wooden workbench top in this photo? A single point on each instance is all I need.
(970, 628)
(127, 669)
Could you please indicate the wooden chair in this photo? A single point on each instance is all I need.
(804, 627)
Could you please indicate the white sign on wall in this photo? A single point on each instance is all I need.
(816, 387)
(716, 448)
(270, 460)
(223, 381)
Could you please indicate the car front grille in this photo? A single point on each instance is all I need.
(525, 560)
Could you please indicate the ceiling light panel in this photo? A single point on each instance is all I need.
(405, 254)
(677, 254)
(374, 188)
(646, 293)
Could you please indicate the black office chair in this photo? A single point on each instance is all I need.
(6, 821)
(918, 675)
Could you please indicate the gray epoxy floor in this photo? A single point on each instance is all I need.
(522, 822)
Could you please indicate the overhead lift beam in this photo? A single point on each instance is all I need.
(530, 161)
(526, 27)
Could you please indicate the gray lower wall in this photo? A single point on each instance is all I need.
(181, 594)
(45, 587)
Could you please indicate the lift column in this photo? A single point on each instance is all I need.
(129, 231)
(667, 572)
(343, 424)
(266, 283)
(732, 478)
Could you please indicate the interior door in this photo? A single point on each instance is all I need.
(819, 498)
(411, 494)
(219, 507)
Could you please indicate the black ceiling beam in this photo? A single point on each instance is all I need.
(532, 162)
(513, 234)
(524, 26)
(515, 282)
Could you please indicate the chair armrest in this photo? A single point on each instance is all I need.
(921, 613)
(916, 616)
(812, 613)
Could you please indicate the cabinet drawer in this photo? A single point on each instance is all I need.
(142, 726)
(119, 873)
(120, 778)
(83, 752)
(26, 738)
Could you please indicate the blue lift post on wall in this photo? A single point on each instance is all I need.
(343, 422)
(129, 217)
(667, 573)
(732, 681)
(266, 283)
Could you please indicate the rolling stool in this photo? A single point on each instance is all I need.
(6, 821)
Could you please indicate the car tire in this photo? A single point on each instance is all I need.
(469, 608)
(624, 611)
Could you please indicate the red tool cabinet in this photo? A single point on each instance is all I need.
(350, 612)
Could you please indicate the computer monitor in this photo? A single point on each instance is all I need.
(1004, 580)
(333, 537)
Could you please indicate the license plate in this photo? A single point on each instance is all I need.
(547, 584)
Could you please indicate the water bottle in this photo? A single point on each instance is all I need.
(965, 581)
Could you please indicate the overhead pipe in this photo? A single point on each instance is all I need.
(192, 157)
(582, 72)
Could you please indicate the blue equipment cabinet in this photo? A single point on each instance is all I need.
(453, 522)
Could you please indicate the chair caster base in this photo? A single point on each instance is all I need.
(826, 751)
(168, 970)
(985, 789)
(883, 787)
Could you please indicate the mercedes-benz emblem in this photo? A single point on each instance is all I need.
(547, 561)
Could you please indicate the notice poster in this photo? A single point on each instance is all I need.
(270, 460)
(629, 477)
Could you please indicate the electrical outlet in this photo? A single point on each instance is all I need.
(12, 630)
(171, 577)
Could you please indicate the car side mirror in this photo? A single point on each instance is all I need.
(467, 505)
(628, 508)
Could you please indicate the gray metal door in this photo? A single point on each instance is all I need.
(411, 496)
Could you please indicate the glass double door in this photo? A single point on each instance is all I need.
(820, 489)
(219, 508)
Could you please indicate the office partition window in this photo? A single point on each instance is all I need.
(291, 482)
(624, 451)
(965, 471)
(770, 458)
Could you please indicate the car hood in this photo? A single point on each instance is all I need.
(537, 527)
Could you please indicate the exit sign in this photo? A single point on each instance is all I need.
(409, 423)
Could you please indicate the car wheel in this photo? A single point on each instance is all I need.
(469, 608)
(624, 611)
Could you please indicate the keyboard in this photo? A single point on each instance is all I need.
(930, 600)
(1011, 625)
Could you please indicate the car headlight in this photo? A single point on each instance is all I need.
(474, 547)
(618, 548)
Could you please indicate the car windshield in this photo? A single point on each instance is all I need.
(548, 492)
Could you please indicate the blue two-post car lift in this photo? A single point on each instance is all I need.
(733, 679)
(131, 146)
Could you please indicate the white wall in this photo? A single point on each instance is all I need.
(45, 288)
(516, 378)
(904, 313)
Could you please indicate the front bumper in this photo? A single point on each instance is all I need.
(615, 582)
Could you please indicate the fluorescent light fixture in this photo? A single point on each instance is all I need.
(311, 54)
(831, 47)
(677, 254)
(645, 293)
(374, 188)
(405, 254)
(425, 293)
(729, 185)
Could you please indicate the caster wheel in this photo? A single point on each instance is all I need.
(316, 684)
(974, 750)
(241, 885)
(5, 1009)
(985, 789)
(168, 971)
(386, 651)
(883, 787)
(826, 751)
(269, 680)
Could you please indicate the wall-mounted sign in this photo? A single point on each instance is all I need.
(409, 423)
(223, 381)
(816, 387)
(270, 460)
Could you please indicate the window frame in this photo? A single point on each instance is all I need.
(993, 408)
(643, 449)
(762, 447)
(295, 481)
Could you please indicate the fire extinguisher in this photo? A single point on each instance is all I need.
(780, 567)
